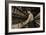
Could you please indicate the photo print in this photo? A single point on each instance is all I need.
(25, 17)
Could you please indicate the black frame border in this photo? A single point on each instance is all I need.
(6, 16)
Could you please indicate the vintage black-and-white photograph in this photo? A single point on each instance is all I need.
(25, 17)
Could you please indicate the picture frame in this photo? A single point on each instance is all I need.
(11, 6)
